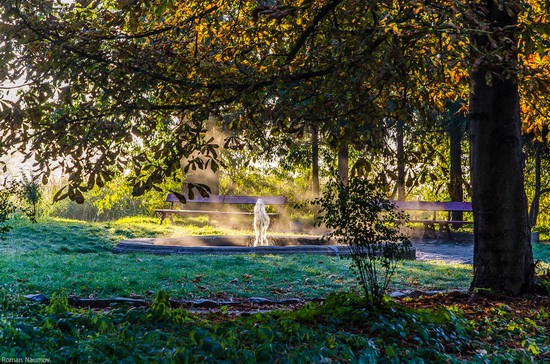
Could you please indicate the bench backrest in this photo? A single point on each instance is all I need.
(230, 199)
(433, 206)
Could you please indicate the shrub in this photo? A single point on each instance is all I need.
(31, 195)
(7, 192)
(112, 201)
(362, 217)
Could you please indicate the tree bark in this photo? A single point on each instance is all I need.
(503, 258)
(343, 162)
(456, 191)
(400, 161)
(315, 161)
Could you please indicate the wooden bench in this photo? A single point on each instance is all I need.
(436, 209)
(216, 205)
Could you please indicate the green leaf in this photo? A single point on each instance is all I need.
(59, 195)
(180, 196)
(161, 8)
(424, 333)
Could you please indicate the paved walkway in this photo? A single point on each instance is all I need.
(447, 251)
(459, 249)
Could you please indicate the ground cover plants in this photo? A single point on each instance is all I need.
(345, 328)
(61, 257)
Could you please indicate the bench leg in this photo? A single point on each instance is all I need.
(445, 227)
(429, 231)
(163, 216)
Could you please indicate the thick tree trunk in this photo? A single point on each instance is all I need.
(456, 191)
(400, 161)
(503, 259)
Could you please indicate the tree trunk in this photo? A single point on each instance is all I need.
(343, 161)
(534, 211)
(503, 258)
(539, 191)
(456, 191)
(204, 176)
(400, 161)
(315, 161)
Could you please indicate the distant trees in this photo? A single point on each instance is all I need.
(456, 126)
(538, 153)
(124, 82)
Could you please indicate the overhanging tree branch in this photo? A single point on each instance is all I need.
(325, 10)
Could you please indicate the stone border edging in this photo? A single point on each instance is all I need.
(140, 302)
(124, 247)
(208, 303)
(161, 246)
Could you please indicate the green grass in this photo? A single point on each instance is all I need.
(75, 255)
(110, 275)
(73, 236)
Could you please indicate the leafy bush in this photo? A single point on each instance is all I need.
(363, 218)
(341, 330)
(111, 202)
(31, 196)
(16, 195)
(59, 303)
(7, 206)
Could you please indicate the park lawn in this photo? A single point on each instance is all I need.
(76, 256)
(58, 257)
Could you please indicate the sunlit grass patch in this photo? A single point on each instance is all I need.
(109, 275)
(306, 276)
(433, 275)
(541, 251)
(146, 227)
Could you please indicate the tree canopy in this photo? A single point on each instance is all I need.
(101, 75)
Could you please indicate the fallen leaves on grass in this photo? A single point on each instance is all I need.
(198, 278)
(519, 323)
